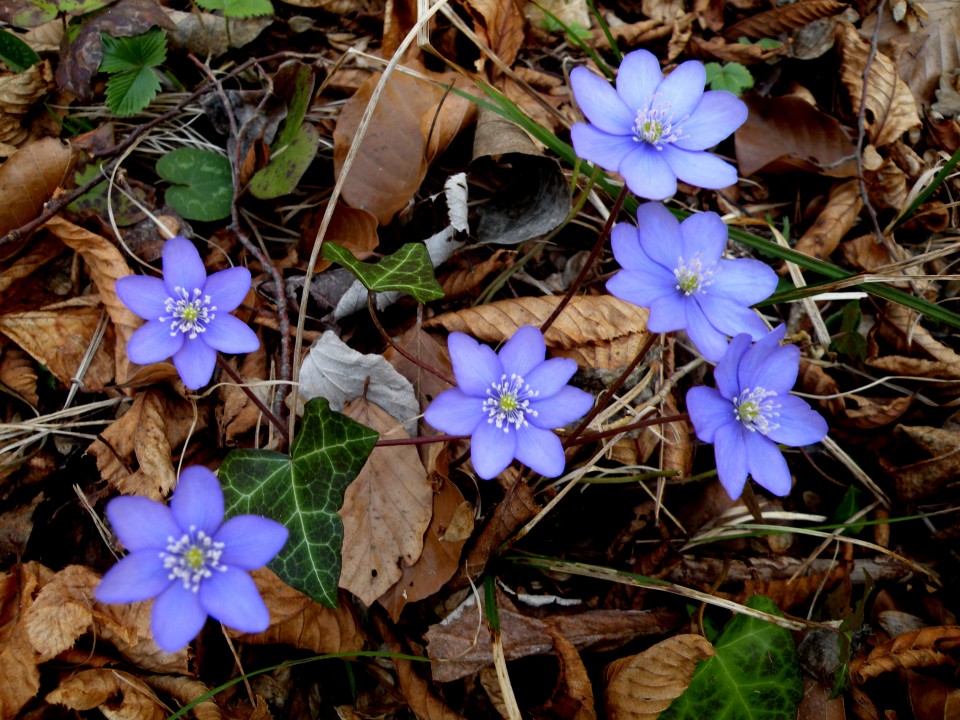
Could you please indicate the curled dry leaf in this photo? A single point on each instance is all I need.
(928, 647)
(853, 411)
(352, 228)
(887, 186)
(186, 691)
(18, 373)
(500, 24)
(385, 511)
(238, 414)
(935, 455)
(102, 688)
(771, 23)
(585, 320)
(716, 48)
(37, 255)
(28, 179)
(127, 628)
(573, 694)
(465, 276)
(642, 686)
(21, 677)
(891, 109)
(915, 350)
(18, 94)
(835, 221)
(61, 612)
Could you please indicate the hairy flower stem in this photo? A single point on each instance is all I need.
(386, 336)
(664, 420)
(588, 265)
(426, 440)
(274, 420)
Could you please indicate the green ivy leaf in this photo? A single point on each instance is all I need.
(408, 270)
(238, 8)
(303, 491)
(732, 76)
(203, 183)
(134, 83)
(17, 55)
(753, 675)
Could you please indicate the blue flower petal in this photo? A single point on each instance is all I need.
(550, 376)
(641, 288)
(600, 148)
(566, 406)
(708, 411)
(711, 343)
(195, 362)
(454, 412)
(230, 335)
(176, 617)
(626, 247)
(770, 368)
(198, 500)
(145, 296)
(659, 234)
(541, 451)
(600, 103)
(250, 541)
(731, 317)
(523, 352)
(228, 288)
(638, 78)
(731, 456)
(491, 450)
(182, 266)
(647, 173)
(745, 280)
(667, 314)
(799, 423)
(475, 366)
(717, 116)
(682, 89)
(766, 464)
(726, 372)
(141, 523)
(138, 576)
(699, 168)
(704, 233)
(232, 598)
(153, 343)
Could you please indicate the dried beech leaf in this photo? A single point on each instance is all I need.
(642, 686)
(101, 688)
(573, 695)
(887, 186)
(18, 659)
(924, 648)
(28, 179)
(18, 373)
(591, 319)
(719, 49)
(237, 414)
(127, 628)
(891, 109)
(305, 624)
(352, 228)
(61, 612)
(928, 357)
(186, 691)
(834, 221)
(919, 479)
(385, 511)
(781, 19)
(501, 25)
(611, 355)
(465, 276)
(38, 255)
(422, 346)
(18, 94)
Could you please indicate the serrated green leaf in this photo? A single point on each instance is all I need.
(281, 175)
(753, 676)
(17, 55)
(238, 8)
(130, 92)
(148, 49)
(304, 491)
(732, 77)
(203, 183)
(408, 270)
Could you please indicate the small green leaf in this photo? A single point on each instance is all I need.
(408, 270)
(238, 8)
(282, 174)
(130, 92)
(769, 43)
(28, 13)
(203, 183)
(17, 55)
(304, 491)
(296, 108)
(849, 341)
(133, 53)
(733, 77)
(754, 674)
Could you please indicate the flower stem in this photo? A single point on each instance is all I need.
(415, 360)
(664, 420)
(277, 422)
(426, 440)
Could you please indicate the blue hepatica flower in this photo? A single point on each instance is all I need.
(509, 403)
(187, 313)
(675, 269)
(192, 562)
(751, 411)
(653, 130)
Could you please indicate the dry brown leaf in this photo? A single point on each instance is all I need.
(642, 686)
(127, 628)
(18, 93)
(61, 612)
(38, 254)
(18, 373)
(788, 133)
(573, 695)
(865, 253)
(238, 414)
(465, 276)
(58, 338)
(500, 24)
(155, 423)
(891, 109)
(385, 512)
(612, 355)
(887, 186)
(297, 620)
(101, 689)
(18, 659)
(592, 319)
(927, 477)
(898, 326)
(28, 179)
(186, 691)
(930, 698)
(349, 227)
(387, 173)
(450, 527)
(786, 17)
(834, 221)
(422, 346)
(716, 48)
(928, 647)
(106, 265)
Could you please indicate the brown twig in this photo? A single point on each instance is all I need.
(274, 420)
(425, 440)
(664, 420)
(386, 336)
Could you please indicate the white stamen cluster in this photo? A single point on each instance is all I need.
(508, 402)
(192, 558)
(656, 125)
(692, 277)
(756, 409)
(189, 313)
